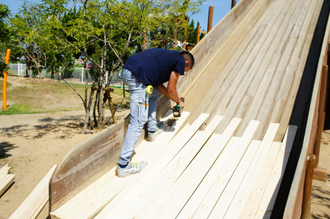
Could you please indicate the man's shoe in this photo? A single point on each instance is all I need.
(161, 128)
(131, 168)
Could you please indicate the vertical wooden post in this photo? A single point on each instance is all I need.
(186, 33)
(4, 86)
(306, 208)
(233, 3)
(198, 32)
(321, 115)
(209, 24)
(144, 41)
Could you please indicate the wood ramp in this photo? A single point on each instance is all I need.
(225, 157)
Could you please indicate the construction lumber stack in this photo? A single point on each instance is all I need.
(6, 179)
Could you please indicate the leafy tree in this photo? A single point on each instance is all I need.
(107, 32)
(4, 34)
(27, 25)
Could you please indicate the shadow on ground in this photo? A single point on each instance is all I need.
(5, 147)
(64, 127)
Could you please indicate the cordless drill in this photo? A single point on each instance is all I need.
(177, 109)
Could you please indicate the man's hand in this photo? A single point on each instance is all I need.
(181, 103)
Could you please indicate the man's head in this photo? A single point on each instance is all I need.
(190, 61)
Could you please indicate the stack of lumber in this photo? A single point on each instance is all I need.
(5, 179)
(35, 202)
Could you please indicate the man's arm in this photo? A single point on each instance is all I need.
(170, 91)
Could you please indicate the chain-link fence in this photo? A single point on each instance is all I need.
(78, 75)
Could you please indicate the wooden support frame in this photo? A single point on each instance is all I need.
(293, 208)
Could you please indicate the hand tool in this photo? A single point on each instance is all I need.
(177, 109)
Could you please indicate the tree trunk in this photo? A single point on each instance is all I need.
(37, 67)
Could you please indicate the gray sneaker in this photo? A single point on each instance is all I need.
(161, 128)
(131, 168)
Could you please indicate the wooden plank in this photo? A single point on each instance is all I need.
(5, 182)
(224, 201)
(256, 191)
(4, 171)
(224, 70)
(125, 204)
(258, 59)
(320, 174)
(263, 189)
(86, 159)
(95, 197)
(202, 189)
(223, 173)
(171, 173)
(291, 97)
(280, 56)
(244, 190)
(177, 196)
(267, 202)
(37, 199)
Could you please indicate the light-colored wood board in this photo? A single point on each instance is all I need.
(284, 53)
(224, 201)
(270, 194)
(254, 32)
(34, 203)
(171, 173)
(199, 194)
(223, 174)
(123, 203)
(5, 182)
(256, 191)
(286, 113)
(258, 59)
(252, 173)
(270, 65)
(184, 187)
(4, 171)
(94, 198)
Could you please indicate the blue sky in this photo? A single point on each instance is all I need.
(221, 8)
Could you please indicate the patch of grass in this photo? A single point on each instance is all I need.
(18, 109)
(32, 95)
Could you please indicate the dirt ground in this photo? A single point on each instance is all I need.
(32, 144)
(320, 200)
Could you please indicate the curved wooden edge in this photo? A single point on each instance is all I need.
(85, 160)
(293, 208)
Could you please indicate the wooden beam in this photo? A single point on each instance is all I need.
(210, 20)
(5, 182)
(306, 207)
(320, 174)
(5, 179)
(321, 113)
(35, 202)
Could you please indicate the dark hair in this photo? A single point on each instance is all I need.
(188, 57)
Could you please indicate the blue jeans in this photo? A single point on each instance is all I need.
(143, 109)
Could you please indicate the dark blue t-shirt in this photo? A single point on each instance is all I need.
(154, 66)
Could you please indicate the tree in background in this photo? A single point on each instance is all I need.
(103, 32)
(29, 37)
(4, 35)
